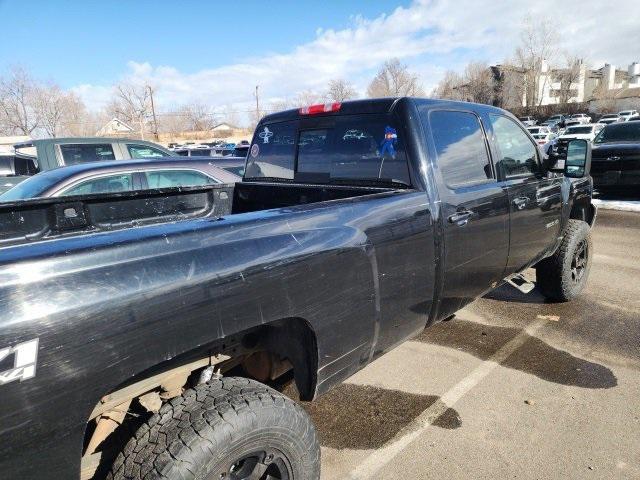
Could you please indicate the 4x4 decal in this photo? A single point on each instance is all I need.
(24, 363)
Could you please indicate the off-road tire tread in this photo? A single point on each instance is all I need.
(162, 447)
(553, 278)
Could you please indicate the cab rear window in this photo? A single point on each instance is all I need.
(349, 147)
(86, 152)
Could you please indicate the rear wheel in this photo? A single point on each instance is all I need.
(563, 276)
(229, 429)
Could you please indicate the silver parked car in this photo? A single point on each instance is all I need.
(120, 176)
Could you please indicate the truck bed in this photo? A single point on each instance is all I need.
(39, 219)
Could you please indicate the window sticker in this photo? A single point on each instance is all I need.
(388, 144)
(265, 135)
(255, 150)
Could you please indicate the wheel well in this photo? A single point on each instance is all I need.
(267, 353)
(584, 212)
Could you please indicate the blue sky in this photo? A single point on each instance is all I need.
(216, 52)
(91, 41)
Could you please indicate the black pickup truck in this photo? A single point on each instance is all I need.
(147, 334)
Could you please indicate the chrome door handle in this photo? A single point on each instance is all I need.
(460, 218)
(521, 202)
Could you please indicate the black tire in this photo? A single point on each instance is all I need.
(223, 430)
(563, 276)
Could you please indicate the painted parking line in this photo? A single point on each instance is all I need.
(377, 460)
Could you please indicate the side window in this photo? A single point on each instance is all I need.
(461, 148)
(86, 152)
(177, 178)
(143, 151)
(272, 151)
(109, 184)
(518, 154)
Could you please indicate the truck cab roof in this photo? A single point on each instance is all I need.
(372, 105)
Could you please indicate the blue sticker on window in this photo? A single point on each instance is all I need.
(388, 144)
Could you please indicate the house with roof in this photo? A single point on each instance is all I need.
(113, 128)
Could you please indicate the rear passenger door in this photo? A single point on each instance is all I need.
(535, 200)
(474, 207)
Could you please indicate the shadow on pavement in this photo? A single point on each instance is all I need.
(506, 293)
(366, 417)
(534, 356)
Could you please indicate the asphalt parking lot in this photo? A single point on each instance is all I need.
(511, 388)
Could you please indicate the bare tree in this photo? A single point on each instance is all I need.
(174, 123)
(132, 104)
(394, 80)
(479, 84)
(230, 115)
(280, 105)
(18, 96)
(449, 87)
(307, 97)
(199, 117)
(60, 112)
(340, 90)
(537, 49)
(567, 77)
(510, 89)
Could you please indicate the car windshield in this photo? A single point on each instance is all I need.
(625, 113)
(619, 132)
(30, 188)
(534, 130)
(575, 130)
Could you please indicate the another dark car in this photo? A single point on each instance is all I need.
(616, 158)
(119, 176)
(234, 165)
(150, 334)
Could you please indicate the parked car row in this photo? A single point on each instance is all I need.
(211, 149)
(73, 166)
(561, 121)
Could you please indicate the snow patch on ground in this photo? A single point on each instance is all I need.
(624, 205)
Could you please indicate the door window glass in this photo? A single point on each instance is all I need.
(517, 152)
(177, 178)
(110, 184)
(73, 154)
(461, 148)
(144, 151)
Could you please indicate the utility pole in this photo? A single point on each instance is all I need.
(153, 111)
(257, 105)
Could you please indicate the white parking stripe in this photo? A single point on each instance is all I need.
(377, 460)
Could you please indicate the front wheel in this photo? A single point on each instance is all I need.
(229, 429)
(563, 275)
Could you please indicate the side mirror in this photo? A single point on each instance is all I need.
(578, 162)
(573, 158)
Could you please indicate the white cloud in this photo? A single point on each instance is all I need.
(431, 36)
